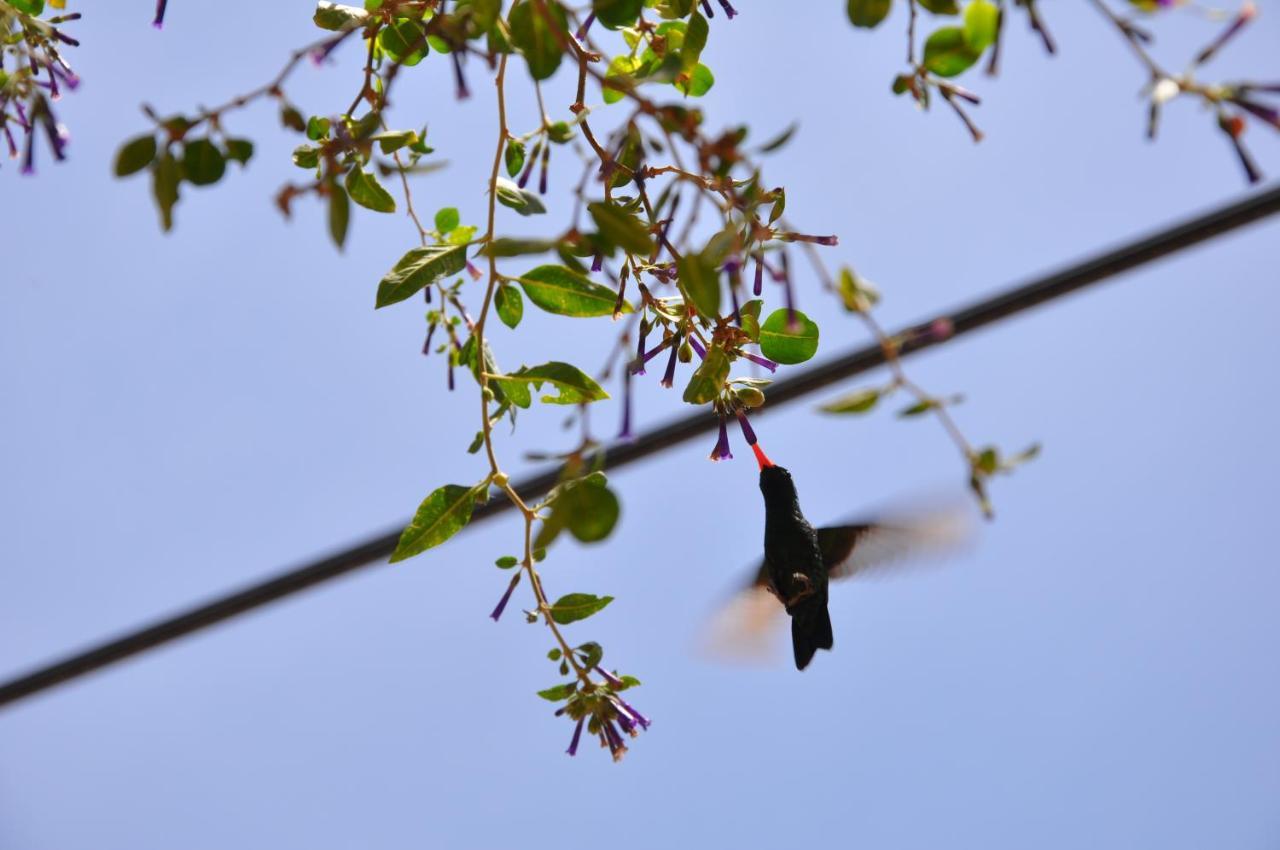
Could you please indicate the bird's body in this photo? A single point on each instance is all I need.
(794, 564)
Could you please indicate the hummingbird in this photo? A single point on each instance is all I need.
(800, 561)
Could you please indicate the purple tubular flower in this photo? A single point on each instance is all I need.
(637, 368)
(761, 361)
(13, 145)
(506, 597)
(639, 718)
(759, 284)
(728, 9)
(577, 736)
(450, 374)
(609, 677)
(721, 451)
(696, 344)
(321, 52)
(706, 8)
(748, 433)
(426, 346)
(542, 177)
(1266, 113)
(733, 299)
(597, 262)
(159, 20)
(523, 179)
(614, 740)
(789, 291)
(581, 34)
(669, 377)
(624, 433)
(460, 79)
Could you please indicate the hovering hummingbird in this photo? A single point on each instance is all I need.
(800, 561)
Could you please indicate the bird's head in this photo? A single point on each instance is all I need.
(776, 485)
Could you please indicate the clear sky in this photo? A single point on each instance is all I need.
(186, 413)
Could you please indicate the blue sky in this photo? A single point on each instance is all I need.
(186, 413)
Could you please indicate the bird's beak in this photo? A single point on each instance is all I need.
(761, 457)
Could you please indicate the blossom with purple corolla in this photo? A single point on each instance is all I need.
(669, 377)
(577, 735)
(761, 361)
(748, 433)
(506, 597)
(721, 451)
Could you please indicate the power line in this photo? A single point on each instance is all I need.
(915, 338)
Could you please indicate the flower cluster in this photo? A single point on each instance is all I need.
(33, 75)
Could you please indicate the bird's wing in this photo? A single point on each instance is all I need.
(891, 542)
(743, 627)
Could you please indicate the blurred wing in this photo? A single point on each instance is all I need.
(878, 547)
(746, 626)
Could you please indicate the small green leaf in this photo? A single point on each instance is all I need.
(617, 13)
(404, 40)
(859, 401)
(440, 516)
(577, 606)
(698, 83)
(621, 228)
(700, 284)
(591, 511)
(514, 156)
(335, 16)
(981, 22)
(559, 692)
(447, 219)
(317, 128)
(506, 562)
(241, 150)
(393, 140)
(695, 39)
(941, 7)
(788, 342)
(920, 407)
(868, 13)
(306, 156)
(28, 7)
(506, 247)
(509, 304)
(520, 200)
(708, 379)
(365, 190)
(166, 174)
(573, 386)
(535, 40)
(418, 268)
(135, 155)
(947, 52)
(592, 654)
(202, 163)
(779, 140)
(339, 214)
(564, 292)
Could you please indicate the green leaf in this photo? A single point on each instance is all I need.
(940, 7)
(523, 202)
(695, 39)
(202, 162)
(699, 82)
(535, 40)
(29, 7)
(559, 692)
(564, 292)
(447, 219)
(506, 562)
(514, 156)
(306, 156)
(241, 150)
(590, 511)
(509, 304)
(788, 343)
(981, 23)
(418, 268)
(708, 379)
(577, 606)
(700, 284)
(166, 174)
(592, 654)
(339, 214)
(573, 386)
(335, 16)
(440, 516)
(317, 128)
(779, 140)
(868, 13)
(617, 13)
(947, 52)
(858, 401)
(404, 40)
(505, 247)
(621, 228)
(135, 155)
(393, 140)
(366, 191)
(618, 78)
(920, 407)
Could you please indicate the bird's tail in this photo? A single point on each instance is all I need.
(810, 631)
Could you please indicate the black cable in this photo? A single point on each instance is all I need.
(914, 338)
